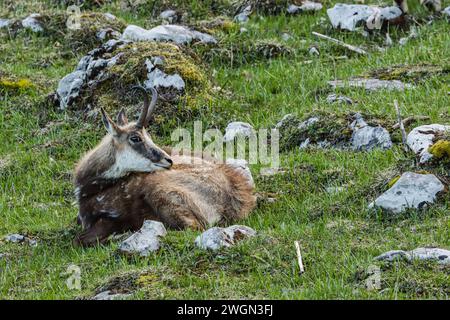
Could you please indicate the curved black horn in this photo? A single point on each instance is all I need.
(142, 118)
(151, 108)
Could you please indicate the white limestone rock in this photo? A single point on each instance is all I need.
(370, 84)
(169, 32)
(32, 22)
(69, 88)
(350, 16)
(422, 137)
(146, 240)
(109, 295)
(412, 190)
(4, 23)
(340, 99)
(243, 16)
(441, 256)
(306, 6)
(168, 15)
(446, 12)
(367, 138)
(157, 78)
(237, 128)
(216, 238)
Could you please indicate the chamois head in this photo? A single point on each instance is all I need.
(134, 150)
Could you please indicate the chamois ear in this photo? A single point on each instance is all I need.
(110, 126)
(122, 118)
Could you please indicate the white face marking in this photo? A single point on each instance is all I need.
(128, 160)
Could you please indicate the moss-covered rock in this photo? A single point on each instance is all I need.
(9, 83)
(105, 76)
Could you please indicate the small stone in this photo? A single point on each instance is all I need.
(108, 295)
(306, 6)
(370, 84)
(168, 15)
(144, 241)
(421, 138)
(243, 16)
(412, 190)
(334, 190)
(235, 129)
(285, 36)
(341, 99)
(441, 256)
(446, 12)
(32, 22)
(393, 255)
(216, 237)
(157, 78)
(169, 32)
(4, 23)
(15, 238)
(313, 51)
(367, 138)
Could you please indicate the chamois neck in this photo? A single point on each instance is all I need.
(96, 162)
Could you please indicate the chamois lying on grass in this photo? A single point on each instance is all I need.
(127, 179)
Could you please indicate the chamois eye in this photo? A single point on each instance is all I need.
(135, 139)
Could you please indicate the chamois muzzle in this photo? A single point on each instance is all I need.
(148, 107)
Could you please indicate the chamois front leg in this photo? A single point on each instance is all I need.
(177, 211)
(97, 233)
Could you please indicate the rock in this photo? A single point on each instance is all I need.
(144, 241)
(109, 295)
(235, 129)
(313, 51)
(243, 16)
(341, 99)
(69, 88)
(412, 190)
(420, 139)
(18, 238)
(306, 6)
(107, 34)
(370, 84)
(4, 23)
(441, 256)
(334, 190)
(286, 118)
(286, 36)
(216, 237)
(350, 16)
(157, 78)
(32, 22)
(169, 32)
(15, 238)
(446, 12)
(169, 15)
(367, 138)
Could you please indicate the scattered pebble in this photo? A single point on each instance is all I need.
(18, 238)
(306, 6)
(109, 295)
(32, 22)
(168, 15)
(341, 99)
(412, 190)
(441, 256)
(313, 51)
(370, 84)
(144, 241)
(216, 237)
(235, 129)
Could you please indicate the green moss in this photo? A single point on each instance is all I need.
(10, 84)
(441, 149)
(393, 181)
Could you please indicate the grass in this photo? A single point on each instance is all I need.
(338, 235)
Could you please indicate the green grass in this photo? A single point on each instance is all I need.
(339, 237)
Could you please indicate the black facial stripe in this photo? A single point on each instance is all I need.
(148, 152)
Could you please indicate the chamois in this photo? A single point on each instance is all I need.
(127, 179)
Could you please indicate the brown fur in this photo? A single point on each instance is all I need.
(186, 196)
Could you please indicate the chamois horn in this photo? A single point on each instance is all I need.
(148, 107)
